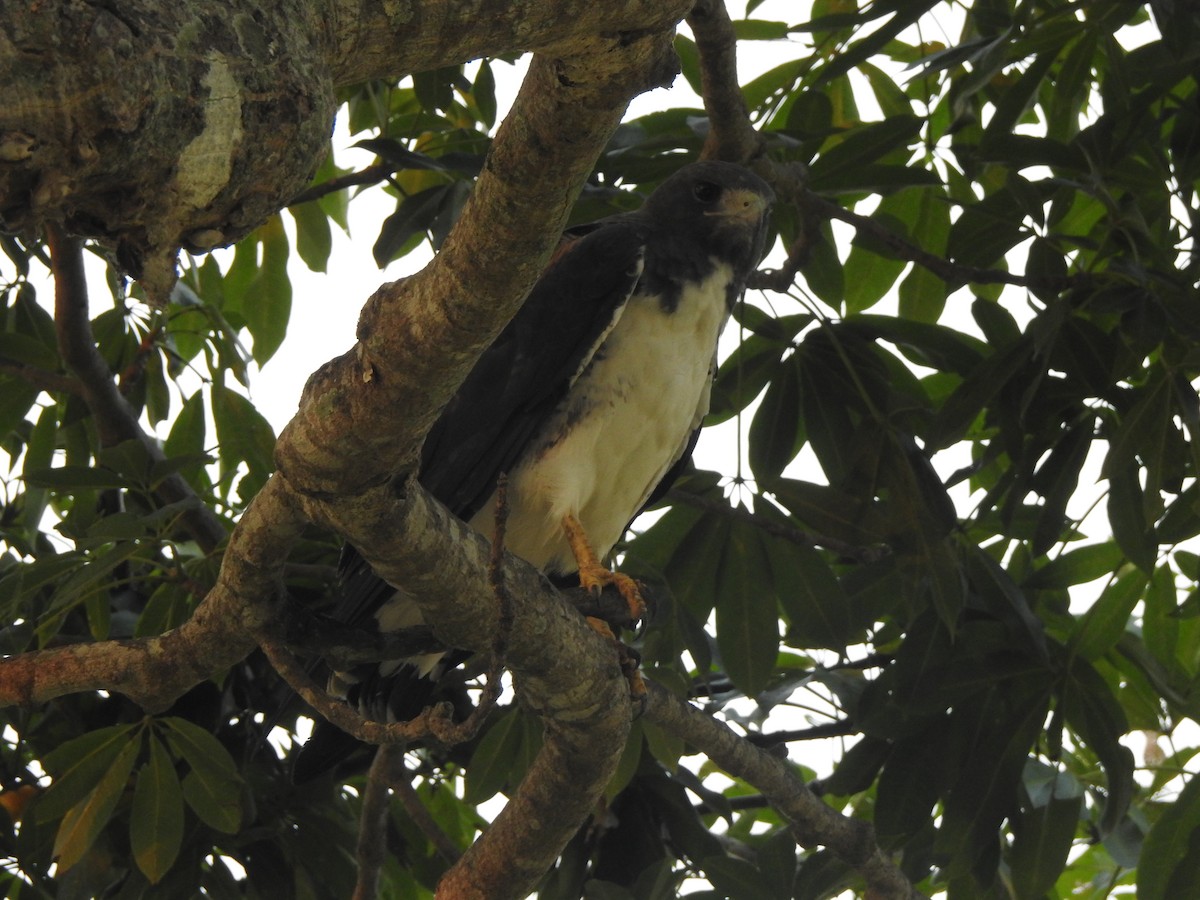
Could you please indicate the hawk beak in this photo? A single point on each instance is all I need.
(745, 205)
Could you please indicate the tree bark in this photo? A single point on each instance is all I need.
(151, 126)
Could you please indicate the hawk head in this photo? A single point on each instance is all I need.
(716, 207)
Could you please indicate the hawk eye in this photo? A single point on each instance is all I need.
(706, 191)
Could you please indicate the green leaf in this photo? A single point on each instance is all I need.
(23, 348)
(1042, 837)
(75, 477)
(77, 765)
(243, 434)
(217, 802)
(824, 274)
(199, 749)
(872, 267)
(188, 430)
(923, 294)
(910, 784)
(39, 454)
(1169, 867)
(167, 608)
(83, 822)
(743, 375)
(1095, 715)
(860, 146)
(16, 397)
(627, 765)
(1126, 515)
(1078, 566)
(831, 512)
(213, 787)
(734, 877)
(484, 92)
(777, 431)
(267, 306)
(493, 759)
(992, 735)
(414, 216)
(1098, 630)
(689, 62)
(747, 616)
(314, 237)
(156, 819)
(987, 230)
(818, 610)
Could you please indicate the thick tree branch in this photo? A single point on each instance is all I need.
(562, 670)
(730, 135)
(363, 417)
(115, 419)
(378, 39)
(813, 823)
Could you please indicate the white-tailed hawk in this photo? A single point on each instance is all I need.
(590, 400)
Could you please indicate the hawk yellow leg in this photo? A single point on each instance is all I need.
(593, 575)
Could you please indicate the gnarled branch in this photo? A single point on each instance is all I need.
(115, 419)
(813, 823)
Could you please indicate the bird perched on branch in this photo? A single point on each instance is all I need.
(590, 400)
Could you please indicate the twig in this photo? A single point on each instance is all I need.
(371, 850)
(50, 382)
(339, 713)
(952, 273)
(370, 175)
(115, 419)
(839, 728)
(782, 279)
(400, 779)
(777, 529)
(812, 822)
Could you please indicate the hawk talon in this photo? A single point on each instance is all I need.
(594, 576)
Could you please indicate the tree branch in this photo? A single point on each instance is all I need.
(50, 382)
(952, 273)
(340, 713)
(562, 670)
(794, 535)
(370, 175)
(154, 672)
(730, 136)
(813, 823)
(371, 851)
(401, 782)
(115, 419)
(379, 39)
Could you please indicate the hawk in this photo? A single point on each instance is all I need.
(590, 400)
